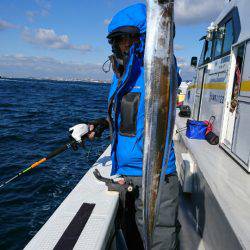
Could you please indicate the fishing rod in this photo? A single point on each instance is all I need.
(79, 132)
(71, 144)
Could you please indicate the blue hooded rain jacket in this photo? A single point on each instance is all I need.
(126, 99)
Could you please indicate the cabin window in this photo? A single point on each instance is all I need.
(229, 37)
(224, 39)
(206, 54)
(201, 61)
(218, 47)
(208, 51)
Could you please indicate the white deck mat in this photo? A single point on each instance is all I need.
(98, 227)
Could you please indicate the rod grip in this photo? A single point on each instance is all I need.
(57, 151)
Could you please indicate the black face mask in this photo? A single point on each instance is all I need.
(115, 47)
(117, 65)
(116, 50)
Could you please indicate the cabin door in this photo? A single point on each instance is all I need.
(241, 135)
(198, 93)
(233, 92)
(237, 136)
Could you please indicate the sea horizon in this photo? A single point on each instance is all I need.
(58, 79)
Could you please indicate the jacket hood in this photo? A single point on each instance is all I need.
(126, 19)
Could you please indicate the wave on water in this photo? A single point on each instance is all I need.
(35, 118)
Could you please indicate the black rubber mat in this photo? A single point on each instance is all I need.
(74, 229)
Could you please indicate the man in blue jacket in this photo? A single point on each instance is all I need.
(126, 34)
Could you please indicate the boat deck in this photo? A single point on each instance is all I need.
(189, 238)
(86, 217)
(93, 233)
(227, 182)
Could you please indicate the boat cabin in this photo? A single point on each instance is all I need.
(222, 84)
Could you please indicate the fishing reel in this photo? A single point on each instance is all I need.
(78, 133)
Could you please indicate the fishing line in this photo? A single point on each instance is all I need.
(98, 149)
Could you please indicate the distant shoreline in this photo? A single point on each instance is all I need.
(58, 80)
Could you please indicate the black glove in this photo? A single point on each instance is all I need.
(99, 126)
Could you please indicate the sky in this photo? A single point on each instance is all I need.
(67, 39)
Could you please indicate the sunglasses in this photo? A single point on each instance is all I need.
(122, 37)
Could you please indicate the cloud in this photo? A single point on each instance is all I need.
(43, 10)
(47, 38)
(178, 47)
(31, 15)
(107, 22)
(186, 71)
(180, 60)
(47, 67)
(44, 6)
(6, 25)
(188, 11)
(197, 11)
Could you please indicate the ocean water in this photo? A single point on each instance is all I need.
(35, 116)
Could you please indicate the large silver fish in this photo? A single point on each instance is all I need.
(160, 98)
